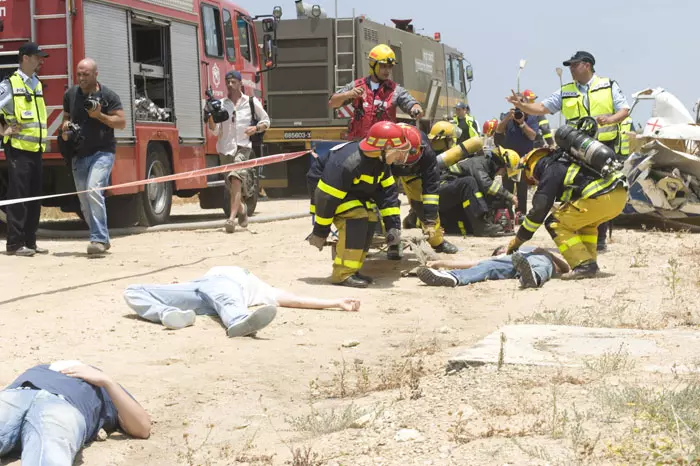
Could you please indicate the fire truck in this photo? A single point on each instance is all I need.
(160, 57)
(319, 55)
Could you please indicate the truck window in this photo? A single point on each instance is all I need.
(243, 38)
(228, 36)
(211, 28)
(457, 73)
(448, 70)
(254, 47)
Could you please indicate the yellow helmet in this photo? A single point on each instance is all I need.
(382, 53)
(529, 161)
(442, 130)
(511, 160)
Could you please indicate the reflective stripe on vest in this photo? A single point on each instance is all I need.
(623, 144)
(601, 184)
(600, 102)
(30, 115)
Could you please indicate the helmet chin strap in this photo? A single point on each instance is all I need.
(374, 72)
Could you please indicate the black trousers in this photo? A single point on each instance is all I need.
(24, 180)
(522, 188)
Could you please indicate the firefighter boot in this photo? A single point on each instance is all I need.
(354, 281)
(446, 248)
(395, 253)
(586, 270)
(410, 221)
(484, 228)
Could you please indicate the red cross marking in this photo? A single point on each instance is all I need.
(654, 125)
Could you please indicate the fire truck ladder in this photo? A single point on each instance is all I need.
(344, 51)
(59, 79)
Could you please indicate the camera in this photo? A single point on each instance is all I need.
(91, 104)
(72, 132)
(215, 108)
(518, 114)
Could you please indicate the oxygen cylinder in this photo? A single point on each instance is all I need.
(462, 150)
(586, 149)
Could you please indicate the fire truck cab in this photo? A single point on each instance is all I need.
(160, 57)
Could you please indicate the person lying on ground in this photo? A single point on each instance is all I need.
(51, 411)
(228, 292)
(533, 266)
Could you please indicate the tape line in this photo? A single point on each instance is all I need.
(257, 162)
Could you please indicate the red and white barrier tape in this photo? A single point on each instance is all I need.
(257, 162)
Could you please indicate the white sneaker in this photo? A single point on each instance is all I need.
(435, 277)
(178, 319)
(255, 321)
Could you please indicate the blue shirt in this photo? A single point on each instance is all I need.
(93, 402)
(6, 102)
(553, 102)
(514, 138)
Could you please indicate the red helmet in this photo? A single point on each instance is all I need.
(382, 136)
(490, 127)
(414, 138)
(529, 95)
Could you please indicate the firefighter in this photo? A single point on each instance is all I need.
(352, 180)
(420, 179)
(588, 198)
(587, 95)
(489, 130)
(480, 172)
(375, 97)
(544, 136)
(465, 122)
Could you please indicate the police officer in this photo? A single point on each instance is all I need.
(24, 110)
(375, 97)
(351, 181)
(465, 122)
(587, 95)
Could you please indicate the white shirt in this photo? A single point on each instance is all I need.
(232, 131)
(255, 291)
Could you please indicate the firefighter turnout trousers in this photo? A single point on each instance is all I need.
(413, 187)
(355, 231)
(462, 194)
(574, 227)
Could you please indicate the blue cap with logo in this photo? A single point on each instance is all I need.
(234, 74)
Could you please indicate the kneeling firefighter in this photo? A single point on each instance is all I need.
(584, 175)
(468, 180)
(349, 184)
(420, 179)
(441, 141)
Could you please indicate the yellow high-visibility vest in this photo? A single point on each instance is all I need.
(30, 115)
(600, 102)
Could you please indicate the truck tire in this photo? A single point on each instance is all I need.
(122, 211)
(156, 198)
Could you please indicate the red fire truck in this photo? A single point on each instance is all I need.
(159, 56)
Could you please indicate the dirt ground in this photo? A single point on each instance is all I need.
(296, 395)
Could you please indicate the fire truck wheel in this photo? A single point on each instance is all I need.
(156, 198)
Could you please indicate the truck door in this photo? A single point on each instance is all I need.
(213, 63)
(248, 64)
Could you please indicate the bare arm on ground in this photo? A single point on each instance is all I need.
(286, 299)
(560, 264)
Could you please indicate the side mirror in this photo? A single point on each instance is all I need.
(268, 51)
(470, 73)
(269, 25)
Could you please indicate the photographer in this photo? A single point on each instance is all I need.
(246, 117)
(91, 114)
(517, 131)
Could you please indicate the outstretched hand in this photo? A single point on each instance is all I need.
(349, 304)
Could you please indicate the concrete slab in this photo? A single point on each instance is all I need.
(560, 345)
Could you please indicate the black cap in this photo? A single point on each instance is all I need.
(580, 56)
(31, 48)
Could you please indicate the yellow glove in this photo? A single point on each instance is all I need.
(514, 244)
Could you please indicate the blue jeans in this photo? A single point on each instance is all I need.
(49, 430)
(211, 295)
(93, 172)
(500, 268)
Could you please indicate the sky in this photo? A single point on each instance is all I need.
(638, 43)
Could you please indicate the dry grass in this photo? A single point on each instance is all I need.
(320, 422)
